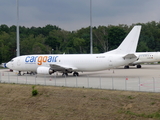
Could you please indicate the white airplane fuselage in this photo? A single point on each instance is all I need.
(84, 62)
(147, 57)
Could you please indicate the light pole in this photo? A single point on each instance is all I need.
(18, 47)
(91, 41)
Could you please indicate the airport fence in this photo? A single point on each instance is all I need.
(146, 84)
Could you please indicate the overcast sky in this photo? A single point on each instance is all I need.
(74, 14)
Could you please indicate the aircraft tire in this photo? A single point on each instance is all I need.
(126, 67)
(75, 74)
(19, 73)
(65, 74)
(139, 66)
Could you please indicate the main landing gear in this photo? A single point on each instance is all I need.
(30, 73)
(127, 67)
(74, 74)
(139, 66)
(65, 74)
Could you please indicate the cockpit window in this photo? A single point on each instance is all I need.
(12, 60)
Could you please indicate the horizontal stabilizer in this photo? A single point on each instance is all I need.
(130, 56)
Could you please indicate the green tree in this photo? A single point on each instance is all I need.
(100, 40)
(115, 36)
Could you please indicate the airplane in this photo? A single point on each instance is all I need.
(74, 63)
(144, 57)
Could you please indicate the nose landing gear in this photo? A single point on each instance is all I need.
(19, 73)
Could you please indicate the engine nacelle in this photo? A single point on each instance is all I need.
(44, 70)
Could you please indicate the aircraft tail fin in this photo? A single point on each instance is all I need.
(129, 44)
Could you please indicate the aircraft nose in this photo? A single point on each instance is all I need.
(5, 65)
(8, 65)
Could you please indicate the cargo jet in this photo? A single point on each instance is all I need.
(74, 63)
(145, 57)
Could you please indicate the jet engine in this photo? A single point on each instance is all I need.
(44, 70)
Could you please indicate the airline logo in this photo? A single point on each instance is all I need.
(40, 59)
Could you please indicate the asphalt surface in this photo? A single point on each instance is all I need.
(145, 79)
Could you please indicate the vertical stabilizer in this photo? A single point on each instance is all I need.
(129, 44)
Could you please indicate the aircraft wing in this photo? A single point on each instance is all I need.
(129, 56)
(58, 67)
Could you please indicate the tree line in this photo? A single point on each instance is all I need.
(53, 40)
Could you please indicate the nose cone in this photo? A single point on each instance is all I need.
(5, 65)
(8, 65)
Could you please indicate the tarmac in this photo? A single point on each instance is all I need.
(146, 79)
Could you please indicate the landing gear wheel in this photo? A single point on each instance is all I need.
(139, 66)
(32, 73)
(75, 74)
(65, 74)
(126, 67)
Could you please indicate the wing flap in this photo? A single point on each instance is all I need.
(57, 67)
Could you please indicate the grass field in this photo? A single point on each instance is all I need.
(60, 103)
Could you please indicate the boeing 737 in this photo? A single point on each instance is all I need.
(68, 63)
(145, 57)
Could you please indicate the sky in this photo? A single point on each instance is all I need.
(72, 15)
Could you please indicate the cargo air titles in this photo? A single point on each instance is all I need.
(40, 59)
